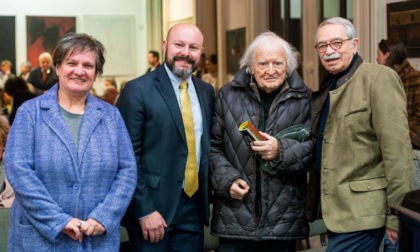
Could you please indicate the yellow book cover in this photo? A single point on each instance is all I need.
(248, 129)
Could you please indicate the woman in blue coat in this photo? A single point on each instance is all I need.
(70, 160)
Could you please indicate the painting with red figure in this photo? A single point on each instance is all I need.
(42, 34)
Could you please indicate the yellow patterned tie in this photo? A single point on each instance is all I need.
(191, 174)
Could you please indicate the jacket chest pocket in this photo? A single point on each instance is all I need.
(357, 121)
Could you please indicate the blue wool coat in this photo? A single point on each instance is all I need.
(54, 181)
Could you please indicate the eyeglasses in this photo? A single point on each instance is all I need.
(263, 65)
(335, 45)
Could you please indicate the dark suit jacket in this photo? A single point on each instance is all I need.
(35, 78)
(150, 69)
(152, 115)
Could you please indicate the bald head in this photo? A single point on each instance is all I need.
(185, 28)
(182, 48)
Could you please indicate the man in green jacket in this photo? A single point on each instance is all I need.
(363, 157)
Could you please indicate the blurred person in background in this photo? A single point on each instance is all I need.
(393, 53)
(7, 194)
(18, 90)
(25, 70)
(153, 60)
(5, 72)
(211, 75)
(43, 77)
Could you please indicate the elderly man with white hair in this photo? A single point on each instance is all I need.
(43, 77)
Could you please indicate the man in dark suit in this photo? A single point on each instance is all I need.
(153, 60)
(164, 214)
(43, 77)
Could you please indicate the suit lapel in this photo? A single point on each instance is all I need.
(164, 85)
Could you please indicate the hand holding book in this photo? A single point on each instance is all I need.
(248, 129)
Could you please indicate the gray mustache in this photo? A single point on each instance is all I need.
(335, 55)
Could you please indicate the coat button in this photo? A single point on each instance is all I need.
(179, 182)
(369, 187)
(76, 186)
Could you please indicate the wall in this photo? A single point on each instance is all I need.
(79, 8)
(206, 21)
(233, 14)
(375, 29)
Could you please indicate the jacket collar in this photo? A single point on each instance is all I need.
(53, 118)
(163, 83)
(325, 84)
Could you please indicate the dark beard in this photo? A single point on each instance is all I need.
(183, 74)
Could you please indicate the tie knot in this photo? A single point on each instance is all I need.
(183, 85)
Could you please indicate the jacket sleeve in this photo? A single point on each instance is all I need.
(295, 157)
(389, 119)
(131, 106)
(39, 207)
(222, 173)
(117, 200)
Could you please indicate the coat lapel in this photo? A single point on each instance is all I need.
(164, 85)
(91, 118)
(53, 118)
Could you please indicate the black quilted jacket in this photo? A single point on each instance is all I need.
(277, 210)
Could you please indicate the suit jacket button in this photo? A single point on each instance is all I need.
(179, 182)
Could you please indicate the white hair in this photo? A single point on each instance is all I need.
(269, 37)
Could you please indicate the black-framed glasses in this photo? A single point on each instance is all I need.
(335, 45)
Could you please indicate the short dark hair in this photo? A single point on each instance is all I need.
(14, 84)
(72, 42)
(155, 54)
(213, 58)
(396, 49)
(113, 82)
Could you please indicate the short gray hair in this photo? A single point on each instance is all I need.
(268, 37)
(350, 30)
(74, 42)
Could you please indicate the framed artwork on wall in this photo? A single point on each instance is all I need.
(42, 34)
(117, 34)
(235, 46)
(8, 40)
(403, 22)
